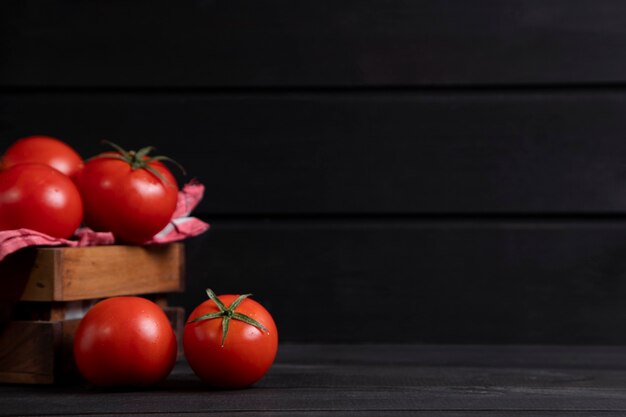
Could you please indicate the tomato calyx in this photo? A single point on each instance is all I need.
(138, 159)
(228, 313)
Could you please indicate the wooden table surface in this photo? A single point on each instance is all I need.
(376, 380)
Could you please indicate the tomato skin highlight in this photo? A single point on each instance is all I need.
(247, 353)
(38, 197)
(132, 204)
(44, 150)
(125, 341)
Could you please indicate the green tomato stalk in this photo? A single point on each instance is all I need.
(228, 313)
(138, 159)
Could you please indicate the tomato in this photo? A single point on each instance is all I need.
(37, 197)
(230, 347)
(125, 341)
(43, 150)
(127, 193)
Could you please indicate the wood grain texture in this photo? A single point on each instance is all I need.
(455, 281)
(361, 153)
(310, 43)
(371, 380)
(27, 352)
(37, 352)
(372, 413)
(454, 160)
(66, 274)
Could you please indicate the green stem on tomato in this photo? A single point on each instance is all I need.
(139, 159)
(228, 313)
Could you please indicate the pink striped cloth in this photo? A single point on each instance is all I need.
(181, 226)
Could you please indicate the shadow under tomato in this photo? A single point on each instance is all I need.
(14, 272)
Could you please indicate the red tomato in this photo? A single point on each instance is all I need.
(43, 150)
(239, 357)
(126, 341)
(127, 193)
(37, 197)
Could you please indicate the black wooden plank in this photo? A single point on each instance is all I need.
(310, 43)
(370, 413)
(431, 380)
(521, 356)
(370, 153)
(419, 281)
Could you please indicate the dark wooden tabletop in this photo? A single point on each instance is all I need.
(377, 380)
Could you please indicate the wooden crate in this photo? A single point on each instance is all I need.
(44, 292)
(35, 352)
(65, 274)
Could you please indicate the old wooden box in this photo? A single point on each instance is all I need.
(44, 292)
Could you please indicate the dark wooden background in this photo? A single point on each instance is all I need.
(376, 171)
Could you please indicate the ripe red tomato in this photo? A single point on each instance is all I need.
(125, 341)
(43, 150)
(127, 193)
(230, 347)
(37, 197)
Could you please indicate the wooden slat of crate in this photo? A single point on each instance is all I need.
(66, 274)
(41, 352)
(32, 352)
